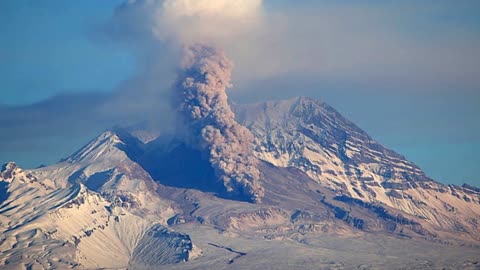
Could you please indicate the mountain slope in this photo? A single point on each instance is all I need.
(313, 137)
(94, 207)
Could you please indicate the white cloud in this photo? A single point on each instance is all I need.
(191, 21)
(356, 44)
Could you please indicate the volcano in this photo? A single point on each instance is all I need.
(333, 198)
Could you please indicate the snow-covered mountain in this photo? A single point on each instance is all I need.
(96, 208)
(313, 137)
(334, 198)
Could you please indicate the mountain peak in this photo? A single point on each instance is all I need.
(107, 144)
(322, 124)
(8, 166)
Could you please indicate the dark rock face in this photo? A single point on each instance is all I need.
(343, 214)
(395, 194)
(8, 170)
(175, 220)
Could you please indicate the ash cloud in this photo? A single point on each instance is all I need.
(200, 27)
(211, 127)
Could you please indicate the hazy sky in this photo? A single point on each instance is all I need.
(407, 72)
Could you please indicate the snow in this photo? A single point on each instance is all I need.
(96, 208)
(266, 122)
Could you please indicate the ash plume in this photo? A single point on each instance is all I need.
(211, 127)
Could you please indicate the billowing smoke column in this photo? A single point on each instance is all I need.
(211, 125)
(200, 92)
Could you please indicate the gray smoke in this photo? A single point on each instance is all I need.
(211, 126)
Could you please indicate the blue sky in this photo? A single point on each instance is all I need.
(407, 72)
(49, 47)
